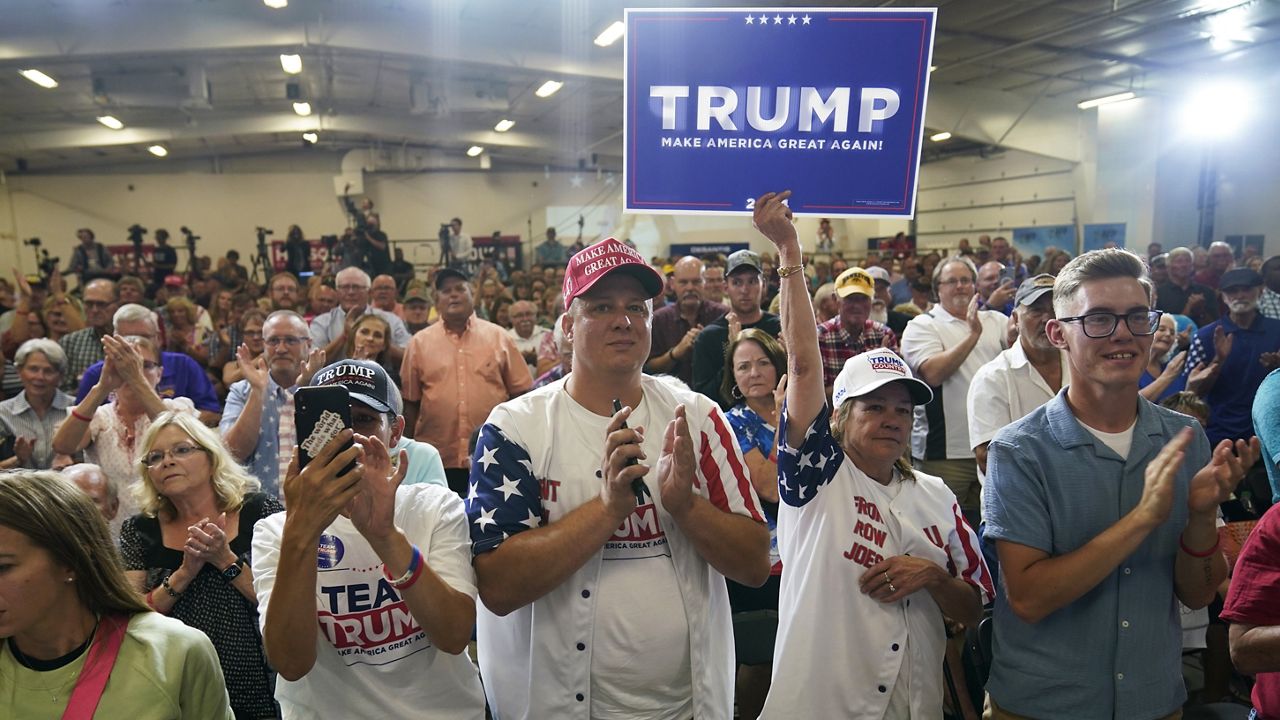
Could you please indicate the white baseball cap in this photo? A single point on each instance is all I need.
(863, 373)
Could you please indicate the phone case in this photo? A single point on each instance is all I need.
(320, 413)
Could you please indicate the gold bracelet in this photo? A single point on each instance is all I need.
(786, 270)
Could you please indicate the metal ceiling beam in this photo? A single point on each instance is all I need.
(48, 34)
(407, 128)
(990, 117)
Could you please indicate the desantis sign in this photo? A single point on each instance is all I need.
(722, 105)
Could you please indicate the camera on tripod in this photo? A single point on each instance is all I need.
(32, 242)
(136, 232)
(191, 238)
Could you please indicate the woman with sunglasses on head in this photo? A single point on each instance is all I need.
(78, 641)
(116, 411)
(188, 551)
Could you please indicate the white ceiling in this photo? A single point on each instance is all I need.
(434, 76)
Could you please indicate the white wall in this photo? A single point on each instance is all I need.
(1138, 170)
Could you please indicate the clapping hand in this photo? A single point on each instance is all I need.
(676, 466)
(207, 542)
(372, 510)
(254, 369)
(1215, 482)
(311, 366)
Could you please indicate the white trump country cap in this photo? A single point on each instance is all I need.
(863, 373)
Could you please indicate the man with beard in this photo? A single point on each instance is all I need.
(676, 326)
(852, 331)
(1019, 379)
(1240, 349)
(745, 271)
(282, 292)
(897, 321)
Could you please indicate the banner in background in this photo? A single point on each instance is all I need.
(700, 249)
(1035, 240)
(723, 105)
(1100, 235)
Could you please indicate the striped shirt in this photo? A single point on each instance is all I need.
(19, 420)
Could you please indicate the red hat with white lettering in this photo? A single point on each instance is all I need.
(594, 262)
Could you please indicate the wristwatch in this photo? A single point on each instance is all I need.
(233, 571)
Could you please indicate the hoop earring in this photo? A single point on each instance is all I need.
(736, 393)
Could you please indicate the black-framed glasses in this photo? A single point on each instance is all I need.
(179, 452)
(1104, 324)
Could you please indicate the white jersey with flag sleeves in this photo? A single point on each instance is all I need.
(536, 459)
(839, 653)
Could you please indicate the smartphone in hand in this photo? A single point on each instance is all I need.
(319, 414)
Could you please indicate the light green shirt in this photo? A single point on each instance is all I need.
(165, 671)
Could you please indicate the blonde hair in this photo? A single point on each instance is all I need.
(59, 518)
(838, 420)
(230, 481)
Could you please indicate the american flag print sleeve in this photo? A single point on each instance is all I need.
(804, 470)
(503, 497)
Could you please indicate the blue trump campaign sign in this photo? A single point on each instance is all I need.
(722, 105)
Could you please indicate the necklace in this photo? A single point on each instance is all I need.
(47, 665)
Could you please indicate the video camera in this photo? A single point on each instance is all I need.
(136, 232)
(191, 238)
(46, 263)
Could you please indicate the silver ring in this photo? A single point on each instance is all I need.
(892, 588)
(887, 578)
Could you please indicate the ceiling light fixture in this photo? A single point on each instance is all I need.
(39, 78)
(504, 125)
(1107, 100)
(111, 122)
(292, 64)
(302, 108)
(1218, 109)
(276, 4)
(474, 150)
(548, 88)
(611, 34)
(311, 137)
(939, 137)
(158, 150)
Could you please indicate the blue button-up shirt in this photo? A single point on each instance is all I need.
(1115, 652)
(263, 462)
(1232, 396)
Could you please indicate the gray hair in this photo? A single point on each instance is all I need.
(353, 271)
(51, 350)
(1098, 265)
(1179, 252)
(290, 314)
(134, 312)
(562, 340)
(70, 472)
(937, 270)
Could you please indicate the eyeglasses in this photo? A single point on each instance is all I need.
(179, 452)
(95, 304)
(290, 340)
(149, 366)
(252, 333)
(959, 282)
(1104, 324)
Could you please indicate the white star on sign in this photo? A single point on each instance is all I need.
(805, 19)
(509, 487)
(575, 181)
(764, 20)
(791, 20)
(487, 456)
(532, 521)
(486, 518)
(751, 20)
(777, 19)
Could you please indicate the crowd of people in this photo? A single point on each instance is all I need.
(563, 484)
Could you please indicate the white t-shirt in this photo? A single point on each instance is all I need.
(372, 657)
(530, 344)
(941, 428)
(1119, 442)
(643, 628)
(840, 653)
